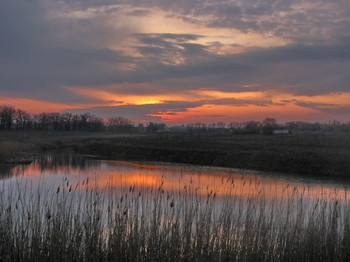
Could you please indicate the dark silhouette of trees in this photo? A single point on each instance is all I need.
(16, 119)
(268, 125)
(7, 114)
(12, 119)
(252, 127)
(23, 120)
(154, 127)
(119, 123)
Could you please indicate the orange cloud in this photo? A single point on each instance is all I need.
(33, 106)
(284, 107)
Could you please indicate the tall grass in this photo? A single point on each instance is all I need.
(82, 223)
(9, 150)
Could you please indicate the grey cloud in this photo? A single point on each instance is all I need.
(163, 39)
(325, 107)
(139, 112)
(214, 115)
(314, 105)
(338, 110)
(40, 54)
(299, 20)
(36, 62)
(308, 69)
(140, 12)
(144, 112)
(237, 102)
(170, 48)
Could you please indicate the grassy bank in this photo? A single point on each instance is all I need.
(81, 223)
(311, 154)
(308, 154)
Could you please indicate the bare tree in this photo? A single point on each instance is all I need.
(7, 114)
(23, 120)
(119, 123)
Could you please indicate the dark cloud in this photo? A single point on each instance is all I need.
(329, 108)
(314, 105)
(237, 102)
(162, 38)
(307, 69)
(36, 61)
(140, 12)
(291, 19)
(325, 107)
(44, 48)
(214, 115)
(345, 110)
(145, 112)
(140, 112)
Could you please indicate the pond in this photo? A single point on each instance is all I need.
(53, 169)
(227, 209)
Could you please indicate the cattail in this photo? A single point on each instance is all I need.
(48, 214)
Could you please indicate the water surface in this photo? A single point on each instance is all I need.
(54, 169)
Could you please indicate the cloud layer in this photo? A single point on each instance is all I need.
(54, 50)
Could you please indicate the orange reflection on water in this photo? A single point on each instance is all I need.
(211, 182)
(202, 181)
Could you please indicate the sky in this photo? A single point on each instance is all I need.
(178, 61)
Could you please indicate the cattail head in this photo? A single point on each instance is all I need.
(48, 214)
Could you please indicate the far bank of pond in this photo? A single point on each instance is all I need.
(309, 154)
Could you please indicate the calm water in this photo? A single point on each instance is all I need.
(55, 170)
(140, 186)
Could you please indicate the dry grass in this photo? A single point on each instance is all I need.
(81, 223)
(10, 150)
(312, 154)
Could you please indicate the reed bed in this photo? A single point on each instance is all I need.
(80, 222)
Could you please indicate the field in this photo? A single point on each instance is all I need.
(312, 154)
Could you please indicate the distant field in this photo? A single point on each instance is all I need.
(312, 154)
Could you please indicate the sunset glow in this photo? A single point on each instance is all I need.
(177, 62)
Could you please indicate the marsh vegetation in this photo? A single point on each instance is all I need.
(231, 218)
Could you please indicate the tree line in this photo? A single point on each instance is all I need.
(17, 119)
(268, 125)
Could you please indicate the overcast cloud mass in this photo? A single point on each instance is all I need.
(178, 61)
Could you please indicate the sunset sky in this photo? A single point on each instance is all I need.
(178, 61)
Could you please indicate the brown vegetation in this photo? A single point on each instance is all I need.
(309, 153)
(81, 223)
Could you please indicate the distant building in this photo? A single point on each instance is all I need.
(280, 131)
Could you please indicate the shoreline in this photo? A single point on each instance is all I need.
(310, 155)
